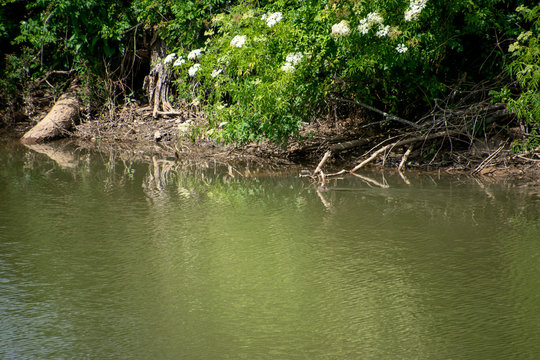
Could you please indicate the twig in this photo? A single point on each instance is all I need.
(528, 159)
(404, 158)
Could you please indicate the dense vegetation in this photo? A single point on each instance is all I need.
(262, 69)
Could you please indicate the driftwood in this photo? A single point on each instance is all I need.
(404, 158)
(58, 122)
(321, 163)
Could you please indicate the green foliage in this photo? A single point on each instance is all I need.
(525, 68)
(180, 22)
(267, 67)
(397, 55)
(88, 36)
(65, 31)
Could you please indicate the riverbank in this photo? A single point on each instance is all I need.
(134, 130)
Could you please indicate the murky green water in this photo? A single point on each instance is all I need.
(104, 258)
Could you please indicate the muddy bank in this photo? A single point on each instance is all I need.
(135, 132)
(135, 128)
(179, 136)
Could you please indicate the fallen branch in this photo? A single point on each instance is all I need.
(404, 142)
(54, 72)
(321, 163)
(169, 113)
(487, 160)
(349, 145)
(404, 158)
(341, 172)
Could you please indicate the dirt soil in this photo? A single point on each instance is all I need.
(135, 130)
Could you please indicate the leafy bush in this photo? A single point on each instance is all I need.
(266, 70)
(525, 68)
(180, 22)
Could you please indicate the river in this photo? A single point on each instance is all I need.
(103, 257)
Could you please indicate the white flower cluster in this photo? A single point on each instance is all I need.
(383, 30)
(294, 58)
(291, 60)
(401, 48)
(238, 41)
(414, 10)
(216, 73)
(371, 19)
(272, 19)
(193, 70)
(195, 54)
(179, 61)
(287, 67)
(169, 59)
(341, 29)
(374, 18)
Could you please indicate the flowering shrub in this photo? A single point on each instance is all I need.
(262, 69)
(414, 10)
(238, 41)
(266, 72)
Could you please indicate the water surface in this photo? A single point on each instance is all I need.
(106, 257)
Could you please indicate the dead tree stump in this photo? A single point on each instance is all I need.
(158, 82)
(157, 86)
(57, 123)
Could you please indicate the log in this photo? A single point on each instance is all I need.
(57, 123)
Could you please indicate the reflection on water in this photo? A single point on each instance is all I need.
(115, 258)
